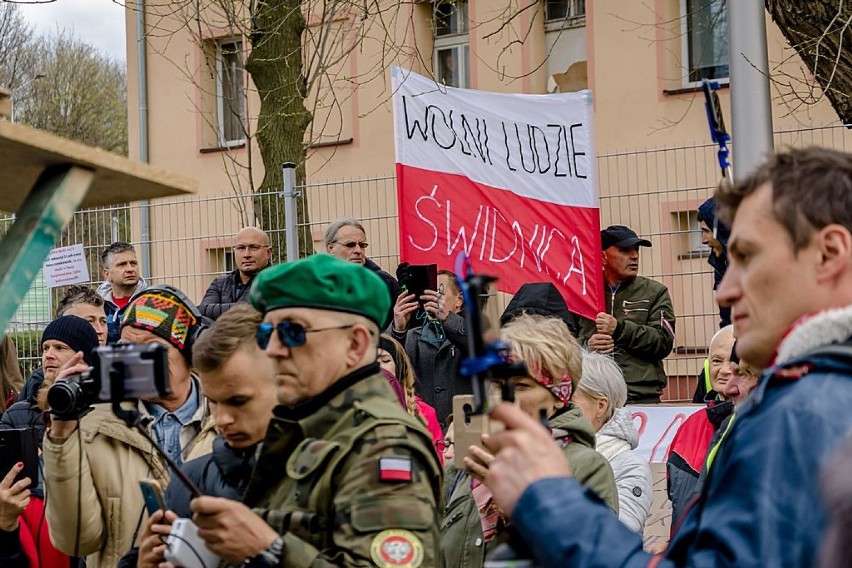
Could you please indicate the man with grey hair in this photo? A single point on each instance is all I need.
(121, 282)
(346, 239)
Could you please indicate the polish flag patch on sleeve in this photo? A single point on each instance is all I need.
(395, 469)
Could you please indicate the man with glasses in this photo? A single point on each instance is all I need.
(346, 239)
(345, 476)
(252, 254)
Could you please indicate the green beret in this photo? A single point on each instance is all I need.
(323, 282)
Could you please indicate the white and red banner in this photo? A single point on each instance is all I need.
(510, 179)
(657, 426)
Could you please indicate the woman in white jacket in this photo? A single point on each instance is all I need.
(601, 395)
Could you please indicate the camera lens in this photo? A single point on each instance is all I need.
(63, 396)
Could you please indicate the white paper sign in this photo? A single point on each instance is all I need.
(657, 426)
(65, 265)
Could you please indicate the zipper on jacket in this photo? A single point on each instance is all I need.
(453, 520)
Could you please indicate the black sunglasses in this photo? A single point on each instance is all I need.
(289, 333)
(353, 244)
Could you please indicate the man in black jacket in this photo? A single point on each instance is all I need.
(239, 381)
(62, 338)
(252, 253)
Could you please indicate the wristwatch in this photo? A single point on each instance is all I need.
(269, 557)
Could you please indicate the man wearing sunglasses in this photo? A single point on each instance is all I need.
(345, 476)
(252, 254)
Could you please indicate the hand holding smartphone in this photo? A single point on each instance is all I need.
(152, 494)
(19, 445)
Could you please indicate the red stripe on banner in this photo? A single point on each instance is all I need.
(518, 239)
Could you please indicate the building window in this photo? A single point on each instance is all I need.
(564, 13)
(452, 51)
(706, 39)
(230, 96)
(688, 233)
(221, 260)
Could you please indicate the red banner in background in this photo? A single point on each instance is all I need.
(508, 179)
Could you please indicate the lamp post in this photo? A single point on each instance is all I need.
(21, 87)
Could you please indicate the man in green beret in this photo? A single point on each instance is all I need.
(345, 477)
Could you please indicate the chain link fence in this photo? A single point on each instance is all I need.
(654, 191)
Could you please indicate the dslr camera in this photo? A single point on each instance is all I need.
(123, 372)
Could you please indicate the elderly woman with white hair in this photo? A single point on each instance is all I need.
(601, 396)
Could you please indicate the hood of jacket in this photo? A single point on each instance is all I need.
(569, 421)
(707, 212)
(105, 289)
(540, 298)
(621, 427)
(234, 464)
(817, 330)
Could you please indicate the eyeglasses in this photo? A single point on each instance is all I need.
(290, 334)
(353, 244)
(443, 445)
(252, 248)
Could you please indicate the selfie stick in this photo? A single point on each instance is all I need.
(133, 418)
(484, 362)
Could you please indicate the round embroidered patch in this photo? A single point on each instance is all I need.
(397, 548)
(637, 491)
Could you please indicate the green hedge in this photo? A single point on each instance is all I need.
(28, 345)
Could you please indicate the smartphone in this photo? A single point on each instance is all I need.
(152, 494)
(19, 445)
(468, 428)
(417, 278)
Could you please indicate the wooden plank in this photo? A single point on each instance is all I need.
(26, 152)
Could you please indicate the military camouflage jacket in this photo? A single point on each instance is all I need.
(350, 479)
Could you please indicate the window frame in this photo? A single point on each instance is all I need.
(568, 21)
(221, 106)
(458, 42)
(686, 63)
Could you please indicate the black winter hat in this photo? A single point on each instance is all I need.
(75, 332)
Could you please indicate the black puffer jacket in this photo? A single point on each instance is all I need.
(390, 282)
(223, 473)
(707, 213)
(31, 386)
(223, 293)
(540, 298)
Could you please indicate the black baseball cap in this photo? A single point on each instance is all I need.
(622, 237)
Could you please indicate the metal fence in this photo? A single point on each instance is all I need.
(654, 191)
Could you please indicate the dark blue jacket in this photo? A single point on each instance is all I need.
(707, 213)
(760, 505)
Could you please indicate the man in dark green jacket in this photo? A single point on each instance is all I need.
(638, 326)
(345, 476)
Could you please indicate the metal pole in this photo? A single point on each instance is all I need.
(290, 219)
(142, 79)
(751, 111)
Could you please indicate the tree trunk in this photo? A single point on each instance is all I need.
(275, 66)
(820, 34)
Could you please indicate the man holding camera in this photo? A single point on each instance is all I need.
(23, 536)
(345, 476)
(93, 462)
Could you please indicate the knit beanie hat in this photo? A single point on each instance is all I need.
(162, 313)
(76, 333)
